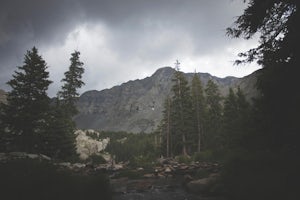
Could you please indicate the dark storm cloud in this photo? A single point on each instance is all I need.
(136, 29)
(25, 23)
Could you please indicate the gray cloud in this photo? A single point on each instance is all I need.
(119, 39)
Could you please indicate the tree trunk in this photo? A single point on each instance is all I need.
(199, 134)
(168, 130)
(184, 151)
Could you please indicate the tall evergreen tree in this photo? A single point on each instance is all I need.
(60, 140)
(198, 102)
(235, 120)
(181, 113)
(214, 114)
(27, 110)
(166, 125)
(230, 128)
(72, 82)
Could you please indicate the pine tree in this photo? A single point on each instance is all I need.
(198, 102)
(60, 140)
(72, 82)
(165, 128)
(181, 113)
(230, 119)
(26, 113)
(214, 114)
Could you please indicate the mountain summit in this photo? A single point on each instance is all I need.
(136, 106)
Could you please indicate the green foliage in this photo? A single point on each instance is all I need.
(181, 114)
(200, 116)
(204, 156)
(27, 110)
(72, 82)
(28, 121)
(232, 125)
(213, 118)
(199, 111)
(183, 159)
(138, 149)
(267, 162)
(164, 132)
(144, 161)
(59, 140)
(33, 179)
(96, 159)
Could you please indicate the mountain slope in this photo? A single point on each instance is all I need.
(136, 106)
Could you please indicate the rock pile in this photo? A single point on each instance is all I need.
(86, 145)
(170, 168)
(168, 172)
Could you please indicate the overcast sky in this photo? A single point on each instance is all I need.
(121, 40)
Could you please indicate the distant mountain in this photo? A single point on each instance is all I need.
(136, 106)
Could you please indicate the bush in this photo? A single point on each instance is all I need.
(206, 156)
(183, 159)
(142, 161)
(96, 159)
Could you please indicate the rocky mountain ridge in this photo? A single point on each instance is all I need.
(136, 106)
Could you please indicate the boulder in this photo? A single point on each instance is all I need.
(201, 185)
(87, 146)
(149, 175)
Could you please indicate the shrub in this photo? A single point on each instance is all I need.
(96, 159)
(204, 156)
(184, 159)
(142, 161)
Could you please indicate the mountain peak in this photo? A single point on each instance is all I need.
(136, 106)
(165, 71)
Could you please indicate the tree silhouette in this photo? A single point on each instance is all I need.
(72, 82)
(273, 140)
(26, 113)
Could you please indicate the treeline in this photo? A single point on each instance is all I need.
(30, 121)
(199, 120)
(137, 150)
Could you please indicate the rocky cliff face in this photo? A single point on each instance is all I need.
(136, 106)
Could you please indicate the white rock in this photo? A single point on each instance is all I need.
(87, 146)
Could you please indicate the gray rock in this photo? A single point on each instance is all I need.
(201, 185)
(136, 106)
(32, 156)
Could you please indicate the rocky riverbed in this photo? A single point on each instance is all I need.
(169, 180)
(154, 189)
